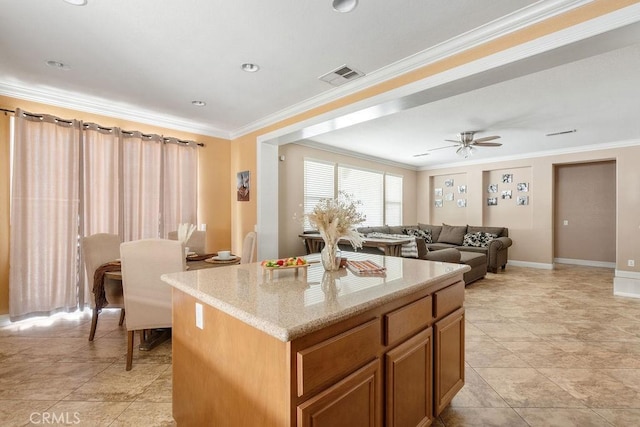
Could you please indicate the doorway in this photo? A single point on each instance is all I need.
(585, 214)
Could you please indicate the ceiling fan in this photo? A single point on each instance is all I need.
(466, 143)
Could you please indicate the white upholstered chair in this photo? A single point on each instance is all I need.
(99, 249)
(147, 299)
(196, 242)
(248, 248)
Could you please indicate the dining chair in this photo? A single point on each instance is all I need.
(147, 299)
(99, 249)
(248, 248)
(196, 242)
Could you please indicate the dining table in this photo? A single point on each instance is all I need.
(113, 270)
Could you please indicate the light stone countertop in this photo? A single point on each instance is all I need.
(289, 306)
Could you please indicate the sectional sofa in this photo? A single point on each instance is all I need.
(494, 242)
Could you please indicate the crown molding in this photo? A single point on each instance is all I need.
(513, 22)
(108, 108)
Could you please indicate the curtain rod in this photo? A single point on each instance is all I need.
(165, 139)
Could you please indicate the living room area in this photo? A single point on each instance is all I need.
(529, 130)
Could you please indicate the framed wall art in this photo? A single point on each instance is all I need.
(242, 185)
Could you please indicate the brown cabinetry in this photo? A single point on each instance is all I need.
(449, 358)
(352, 402)
(398, 364)
(408, 385)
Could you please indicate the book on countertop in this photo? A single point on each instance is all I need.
(365, 267)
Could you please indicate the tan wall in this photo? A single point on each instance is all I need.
(531, 227)
(585, 197)
(214, 194)
(291, 185)
(445, 206)
(243, 214)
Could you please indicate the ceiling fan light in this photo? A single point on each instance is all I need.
(344, 6)
(465, 151)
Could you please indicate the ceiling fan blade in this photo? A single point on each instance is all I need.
(487, 144)
(453, 140)
(441, 148)
(421, 154)
(487, 138)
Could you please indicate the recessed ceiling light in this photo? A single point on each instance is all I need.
(59, 65)
(199, 103)
(76, 2)
(344, 6)
(250, 68)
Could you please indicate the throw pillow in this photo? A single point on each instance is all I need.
(479, 239)
(421, 234)
(452, 234)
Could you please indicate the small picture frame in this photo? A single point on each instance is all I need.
(462, 203)
(522, 186)
(492, 201)
(462, 189)
(243, 186)
(448, 197)
(506, 194)
(448, 182)
(438, 203)
(492, 188)
(507, 178)
(522, 200)
(438, 192)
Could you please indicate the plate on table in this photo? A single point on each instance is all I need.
(231, 258)
(217, 260)
(191, 254)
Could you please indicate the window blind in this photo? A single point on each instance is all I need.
(318, 184)
(367, 187)
(393, 200)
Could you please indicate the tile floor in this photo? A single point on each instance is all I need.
(543, 348)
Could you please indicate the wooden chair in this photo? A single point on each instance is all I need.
(196, 242)
(248, 248)
(147, 299)
(99, 249)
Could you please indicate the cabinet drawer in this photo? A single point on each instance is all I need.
(336, 357)
(408, 320)
(448, 299)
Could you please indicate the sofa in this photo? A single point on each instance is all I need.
(493, 242)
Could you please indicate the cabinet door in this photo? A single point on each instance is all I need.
(408, 382)
(449, 358)
(353, 402)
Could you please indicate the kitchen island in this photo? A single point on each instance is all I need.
(317, 348)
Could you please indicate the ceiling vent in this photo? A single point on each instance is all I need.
(341, 75)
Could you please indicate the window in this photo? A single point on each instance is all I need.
(366, 186)
(380, 193)
(318, 184)
(393, 200)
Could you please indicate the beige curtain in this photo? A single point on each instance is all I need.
(180, 177)
(142, 171)
(101, 175)
(43, 257)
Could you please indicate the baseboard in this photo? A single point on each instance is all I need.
(4, 320)
(539, 265)
(585, 262)
(626, 284)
